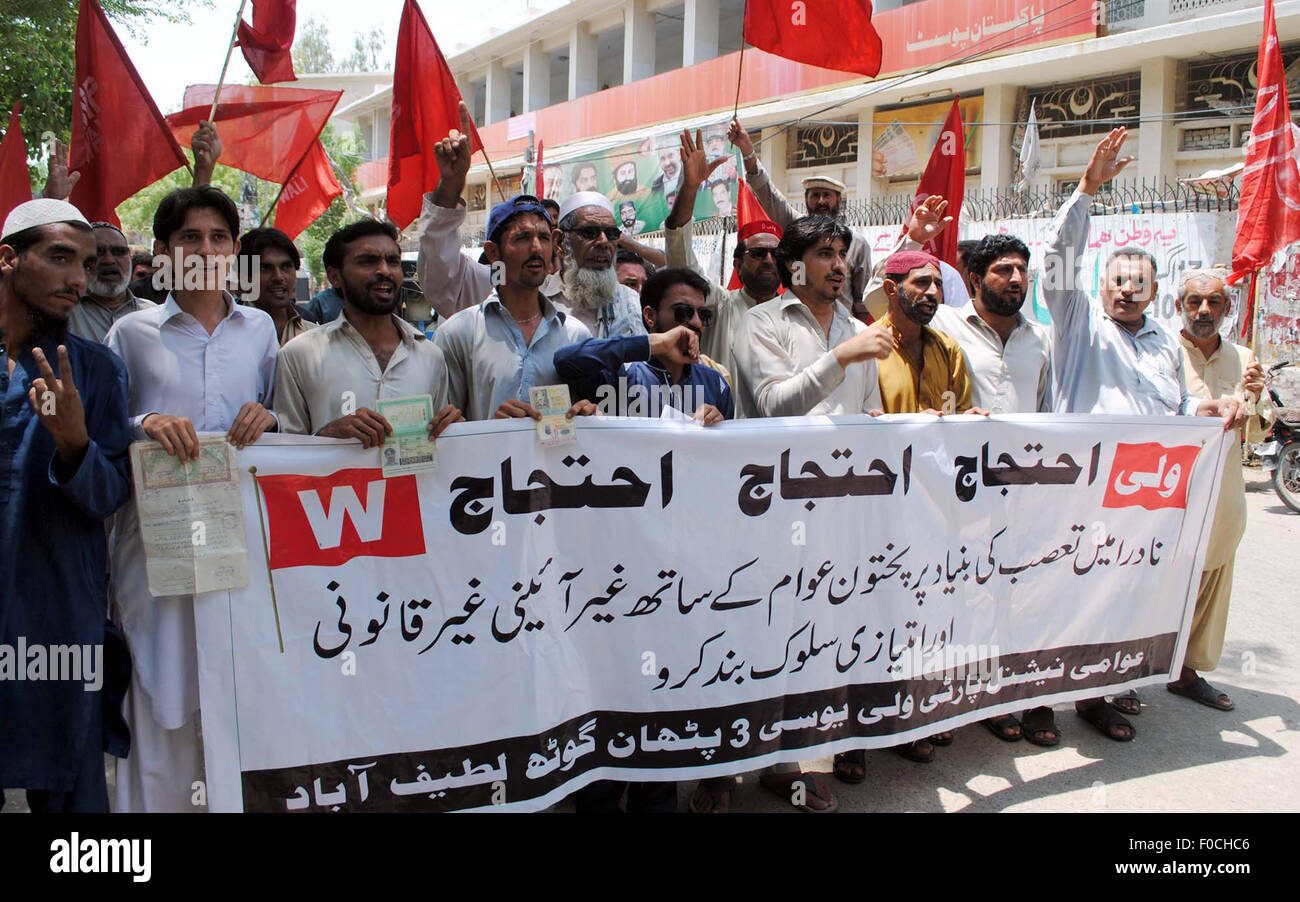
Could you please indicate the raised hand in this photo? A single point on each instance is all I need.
(206, 145)
(1106, 163)
(737, 135)
(59, 183)
(58, 406)
(928, 221)
(696, 166)
(453, 154)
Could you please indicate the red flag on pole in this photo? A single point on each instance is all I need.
(426, 107)
(945, 175)
(15, 183)
(833, 34)
(307, 193)
(265, 131)
(120, 142)
(1268, 214)
(748, 210)
(539, 174)
(266, 43)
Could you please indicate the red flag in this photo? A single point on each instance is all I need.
(1268, 214)
(539, 174)
(120, 142)
(308, 192)
(748, 210)
(265, 44)
(945, 175)
(426, 107)
(833, 34)
(265, 131)
(15, 183)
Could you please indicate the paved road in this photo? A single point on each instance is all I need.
(1186, 757)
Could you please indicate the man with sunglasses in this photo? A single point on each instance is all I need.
(108, 296)
(754, 257)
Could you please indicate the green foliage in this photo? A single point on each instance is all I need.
(39, 63)
(312, 51)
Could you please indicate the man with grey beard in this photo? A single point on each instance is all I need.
(592, 291)
(108, 297)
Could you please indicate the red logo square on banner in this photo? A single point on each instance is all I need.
(326, 520)
(1150, 475)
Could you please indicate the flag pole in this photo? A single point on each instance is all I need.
(234, 33)
(492, 172)
(740, 65)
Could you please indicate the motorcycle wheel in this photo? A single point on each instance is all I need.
(1286, 478)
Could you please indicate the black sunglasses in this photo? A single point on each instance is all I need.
(684, 313)
(759, 253)
(593, 233)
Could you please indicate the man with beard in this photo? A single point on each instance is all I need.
(451, 281)
(754, 256)
(1214, 368)
(63, 471)
(500, 348)
(268, 258)
(108, 298)
(669, 178)
(585, 178)
(625, 182)
(589, 240)
(1109, 357)
(822, 196)
(366, 354)
(197, 363)
(665, 364)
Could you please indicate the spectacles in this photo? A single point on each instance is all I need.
(593, 233)
(759, 253)
(114, 250)
(684, 313)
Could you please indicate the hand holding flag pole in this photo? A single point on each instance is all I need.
(234, 33)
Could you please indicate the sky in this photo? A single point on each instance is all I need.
(168, 57)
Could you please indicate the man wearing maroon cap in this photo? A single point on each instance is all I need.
(754, 257)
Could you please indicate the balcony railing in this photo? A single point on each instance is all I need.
(1128, 15)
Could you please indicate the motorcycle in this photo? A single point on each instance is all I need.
(1280, 452)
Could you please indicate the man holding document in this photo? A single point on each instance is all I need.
(331, 380)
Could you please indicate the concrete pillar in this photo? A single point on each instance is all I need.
(700, 32)
(638, 41)
(537, 77)
(998, 150)
(866, 185)
(582, 62)
(498, 92)
(1157, 138)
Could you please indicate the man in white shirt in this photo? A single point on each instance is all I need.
(197, 363)
(802, 353)
(107, 297)
(329, 378)
(1109, 357)
(497, 350)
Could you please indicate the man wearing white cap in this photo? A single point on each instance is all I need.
(108, 297)
(588, 237)
(822, 196)
(64, 436)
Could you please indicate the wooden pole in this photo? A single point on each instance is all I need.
(740, 68)
(234, 33)
(495, 181)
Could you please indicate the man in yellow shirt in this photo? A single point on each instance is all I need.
(1213, 369)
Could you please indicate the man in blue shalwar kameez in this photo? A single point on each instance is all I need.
(64, 435)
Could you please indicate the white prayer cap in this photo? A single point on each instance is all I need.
(823, 181)
(39, 212)
(586, 199)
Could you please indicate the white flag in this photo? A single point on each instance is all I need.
(1029, 157)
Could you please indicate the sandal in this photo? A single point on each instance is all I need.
(1198, 690)
(941, 739)
(1039, 722)
(712, 796)
(783, 786)
(1128, 703)
(1001, 725)
(1107, 721)
(851, 767)
(921, 751)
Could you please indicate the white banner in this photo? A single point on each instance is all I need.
(661, 601)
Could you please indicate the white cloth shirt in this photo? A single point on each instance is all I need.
(1101, 367)
(785, 366)
(1011, 378)
(488, 362)
(325, 366)
(176, 368)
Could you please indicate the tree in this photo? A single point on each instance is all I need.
(345, 152)
(311, 48)
(367, 49)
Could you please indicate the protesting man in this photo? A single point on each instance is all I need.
(498, 349)
(63, 471)
(329, 380)
(664, 365)
(1109, 357)
(107, 298)
(268, 258)
(631, 269)
(822, 196)
(754, 256)
(1213, 369)
(197, 363)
